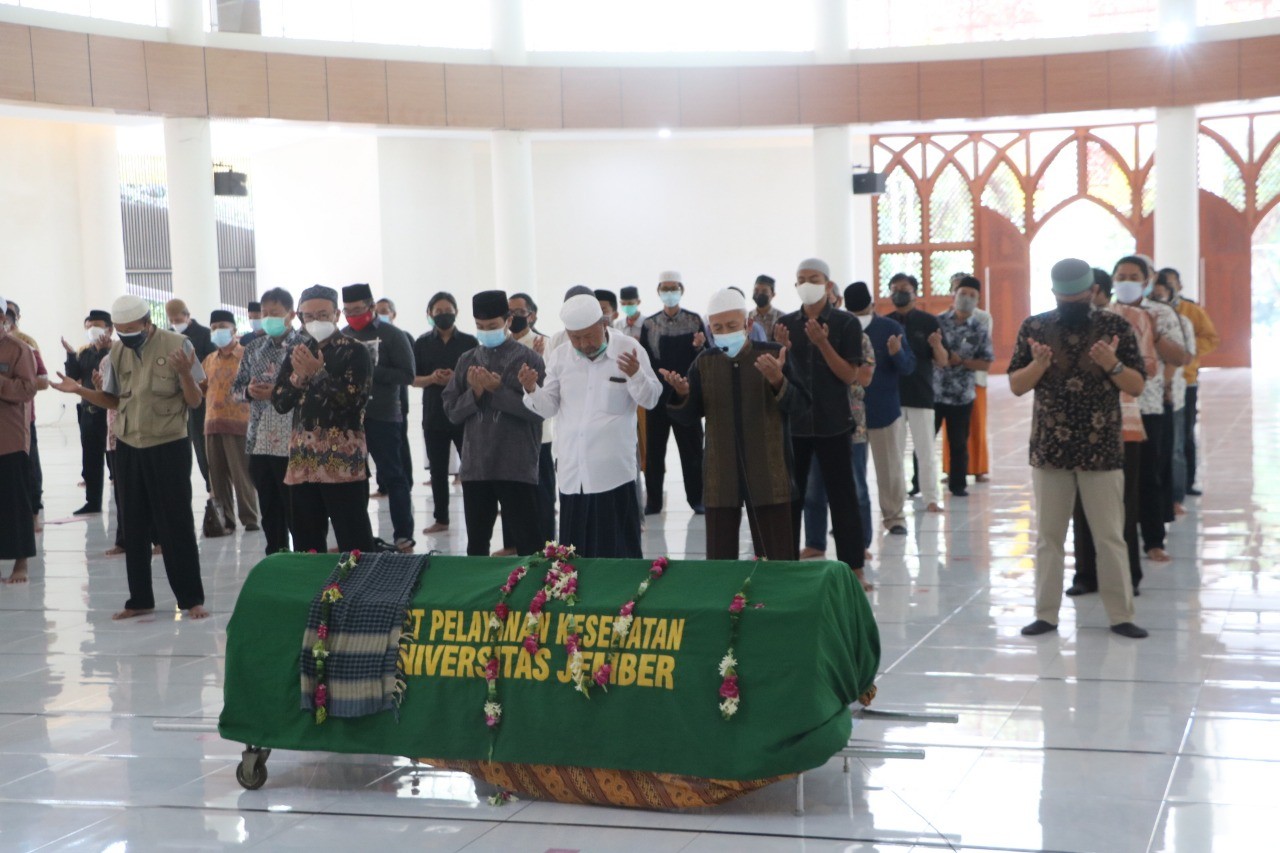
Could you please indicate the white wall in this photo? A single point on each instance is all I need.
(60, 245)
(317, 215)
(437, 223)
(613, 213)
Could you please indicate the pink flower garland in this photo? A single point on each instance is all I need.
(329, 596)
(622, 624)
(730, 690)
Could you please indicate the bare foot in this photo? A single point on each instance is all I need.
(1179, 509)
(127, 613)
(19, 573)
(157, 550)
(39, 525)
(505, 552)
(867, 555)
(114, 551)
(867, 585)
(198, 612)
(982, 478)
(436, 528)
(811, 553)
(1159, 555)
(933, 508)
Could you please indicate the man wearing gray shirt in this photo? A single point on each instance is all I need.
(393, 369)
(501, 438)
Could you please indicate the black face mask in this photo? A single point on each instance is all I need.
(1075, 314)
(444, 321)
(900, 298)
(518, 324)
(762, 299)
(136, 342)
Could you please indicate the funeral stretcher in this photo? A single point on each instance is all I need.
(807, 649)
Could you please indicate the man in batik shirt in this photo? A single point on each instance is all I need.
(326, 382)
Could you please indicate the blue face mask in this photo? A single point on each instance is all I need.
(731, 342)
(491, 338)
(222, 337)
(670, 298)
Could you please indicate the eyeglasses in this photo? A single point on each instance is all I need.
(322, 317)
(520, 313)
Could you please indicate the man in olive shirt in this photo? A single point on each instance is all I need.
(152, 379)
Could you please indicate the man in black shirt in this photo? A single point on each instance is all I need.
(181, 321)
(387, 315)
(93, 419)
(825, 348)
(924, 336)
(435, 355)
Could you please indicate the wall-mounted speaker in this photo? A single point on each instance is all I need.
(230, 183)
(868, 183)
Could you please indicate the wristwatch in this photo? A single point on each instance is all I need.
(1117, 370)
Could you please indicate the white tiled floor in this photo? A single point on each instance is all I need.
(1076, 742)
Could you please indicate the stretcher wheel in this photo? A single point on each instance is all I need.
(251, 772)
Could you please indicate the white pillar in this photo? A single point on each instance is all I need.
(863, 234)
(193, 236)
(506, 18)
(1177, 209)
(831, 31)
(101, 231)
(833, 200)
(186, 22)
(511, 157)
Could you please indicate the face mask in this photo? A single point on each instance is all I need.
(761, 299)
(490, 338)
(360, 322)
(1075, 313)
(256, 325)
(865, 319)
(966, 304)
(519, 324)
(222, 337)
(386, 318)
(900, 298)
(274, 326)
(444, 322)
(133, 340)
(670, 298)
(321, 330)
(594, 355)
(631, 310)
(731, 342)
(811, 294)
(1127, 291)
(180, 327)
(95, 334)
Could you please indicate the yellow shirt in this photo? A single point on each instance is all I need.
(1207, 337)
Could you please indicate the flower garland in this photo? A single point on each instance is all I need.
(622, 626)
(330, 596)
(730, 692)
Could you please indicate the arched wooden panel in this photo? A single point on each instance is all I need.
(1226, 292)
(1004, 259)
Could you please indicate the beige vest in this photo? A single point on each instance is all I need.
(152, 410)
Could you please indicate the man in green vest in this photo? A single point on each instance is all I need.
(152, 379)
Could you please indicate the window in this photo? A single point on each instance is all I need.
(668, 25)
(427, 23)
(152, 13)
(877, 23)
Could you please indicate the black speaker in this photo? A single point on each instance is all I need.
(230, 183)
(868, 183)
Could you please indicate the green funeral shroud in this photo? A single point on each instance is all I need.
(804, 657)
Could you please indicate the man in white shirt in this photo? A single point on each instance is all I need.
(593, 387)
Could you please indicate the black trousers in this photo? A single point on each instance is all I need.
(1189, 444)
(438, 441)
(1086, 555)
(406, 453)
(602, 525)
(1152, 486)
(480, 502)
(771, 534)
(93, 452)
(35, 474)
(835, 456)
(17, 521)
(274, 501)
(155, 493)
(195, 432)
(384, 440)
(547, 494)
(957, 419)
(345, 505)
(658, 427)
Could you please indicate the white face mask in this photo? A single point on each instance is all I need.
(321, 330)
(865, 319)
(1128, 291)
(95, 334)
(811, 294)
(180, 327)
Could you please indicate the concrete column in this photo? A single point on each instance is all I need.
(833, 215)
(506, 18)
(193, 236)
(101, 231)
(515, 257)
(1177, 209)
(831, 31)
(186, 23)
(863, 234)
